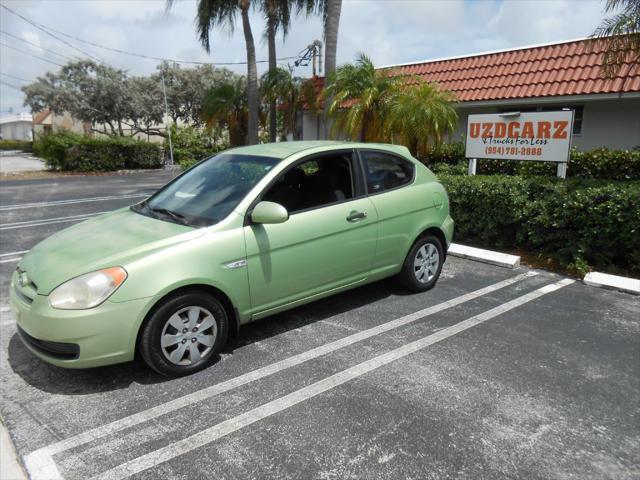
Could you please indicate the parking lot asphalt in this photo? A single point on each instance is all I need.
(493, 374)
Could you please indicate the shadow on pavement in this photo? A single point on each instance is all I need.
(56, 380)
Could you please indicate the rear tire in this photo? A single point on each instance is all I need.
(423, 264)
(184, 334)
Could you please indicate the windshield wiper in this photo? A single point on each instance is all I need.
(170, 213)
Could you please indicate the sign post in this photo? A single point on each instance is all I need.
(539, 136)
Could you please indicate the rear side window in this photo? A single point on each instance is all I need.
(385, 171)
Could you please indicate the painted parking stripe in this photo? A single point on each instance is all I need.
(48, 221)
(40, 463)
(71, 201)
(234, 424)
(15, 257)
(13, 254)
(10, 260)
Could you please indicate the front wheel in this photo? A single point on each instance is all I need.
(422, 267)
(184, 334)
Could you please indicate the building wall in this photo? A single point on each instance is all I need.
(613, 124)
(16, 127)
(19, 130)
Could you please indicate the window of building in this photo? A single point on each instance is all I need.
(318, 182)
(385, 171)
(578, 111)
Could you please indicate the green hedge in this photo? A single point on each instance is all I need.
(600, 163)
(190, 145)
(71, 152)
(582, 224)
(23, 145)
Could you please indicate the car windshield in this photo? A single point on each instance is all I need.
(209, 191)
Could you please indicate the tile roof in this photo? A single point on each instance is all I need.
(40, 117)
(568, 68)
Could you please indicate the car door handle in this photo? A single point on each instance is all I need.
(355, 216)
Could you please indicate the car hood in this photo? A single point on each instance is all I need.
(104, 241)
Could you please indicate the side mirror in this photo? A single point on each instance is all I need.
(269, 212)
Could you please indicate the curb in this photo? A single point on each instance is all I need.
(485, 256)
(615, 282)
(10, 468)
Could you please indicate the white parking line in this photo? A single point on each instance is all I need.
(40, 462)
(70, 201)
(17, 259)
(234, 424)
(11, 254)
(48, 221)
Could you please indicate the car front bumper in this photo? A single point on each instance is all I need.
(93, 337)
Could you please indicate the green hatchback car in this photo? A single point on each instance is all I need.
(240, 236)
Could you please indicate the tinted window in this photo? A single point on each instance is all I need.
(385, 171)
(210, 191)
(321, 181)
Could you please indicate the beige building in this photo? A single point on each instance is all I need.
(537, 78)
(47, 121)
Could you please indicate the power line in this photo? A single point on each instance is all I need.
(48, 30)
(37, 46)
(29, 53)
(14, 77)
(10, 85)
(42, 28)
(162, 59)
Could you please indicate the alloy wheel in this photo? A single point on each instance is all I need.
(426, 262)
(188, 335)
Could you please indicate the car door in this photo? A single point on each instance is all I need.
(400, 203)
(328, 241)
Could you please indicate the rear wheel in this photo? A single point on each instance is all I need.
(423, 264)
(184, 334)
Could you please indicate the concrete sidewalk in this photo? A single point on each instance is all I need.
(15, 161)
(10, 469)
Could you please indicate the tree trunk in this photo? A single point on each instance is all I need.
(252, 75)
(272, 20)
(331, 47)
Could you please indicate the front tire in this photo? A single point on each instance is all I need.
(184, 334)
(423, 264)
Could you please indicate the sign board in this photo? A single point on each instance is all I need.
(542, 136)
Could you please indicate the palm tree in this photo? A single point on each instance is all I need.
(422, 113)
(226, 105)
(332, 9)
(290, 93)
(222, 13)
(278, 13)
(278, 16)
(621, 35)
(361, 100)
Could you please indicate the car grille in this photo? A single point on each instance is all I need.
(61, 351)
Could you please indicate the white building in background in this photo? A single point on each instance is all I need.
(16, 127)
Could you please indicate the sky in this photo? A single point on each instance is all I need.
(388, 31)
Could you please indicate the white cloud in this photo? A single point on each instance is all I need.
(389, 31)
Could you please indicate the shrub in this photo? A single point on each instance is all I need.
(22, 145)
(96, 156)
(53, 148)
(68, 151)
(580, 223)
(599, 163)
(190, 145)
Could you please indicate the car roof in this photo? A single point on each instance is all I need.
(283, 150)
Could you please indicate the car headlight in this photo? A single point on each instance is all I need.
(88, 290)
